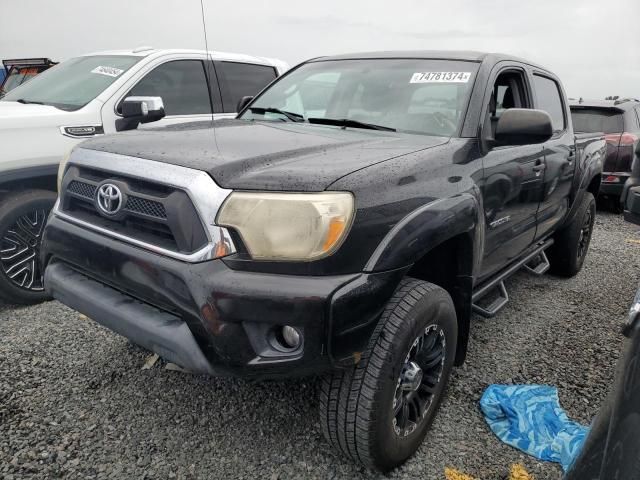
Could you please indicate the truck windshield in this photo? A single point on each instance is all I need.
(426, 97)
(17, 76)
(74, 83)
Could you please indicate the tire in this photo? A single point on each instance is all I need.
(357, 405)
(571, 244)
(22, 219)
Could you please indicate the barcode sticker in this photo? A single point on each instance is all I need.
(108, 71)
(440, 77)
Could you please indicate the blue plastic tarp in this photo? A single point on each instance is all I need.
(530, 418)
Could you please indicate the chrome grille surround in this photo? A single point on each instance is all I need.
(206, 196)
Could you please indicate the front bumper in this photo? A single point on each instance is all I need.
(207, 317)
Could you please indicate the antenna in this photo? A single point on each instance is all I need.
(210, 77)
(204, 27)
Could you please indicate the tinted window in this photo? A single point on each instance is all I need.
(182, 84)
(74, 83)
(590, 120)
(550, 101)
(410, 95)
(19, 75)
(244, 80)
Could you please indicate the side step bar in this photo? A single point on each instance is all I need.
(541, 267)
(498, 282)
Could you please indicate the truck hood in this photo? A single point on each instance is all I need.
(15, 110)
(291, 156)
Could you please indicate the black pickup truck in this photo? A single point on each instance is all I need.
(348, 222)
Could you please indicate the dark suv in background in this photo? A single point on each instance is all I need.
(620, 122)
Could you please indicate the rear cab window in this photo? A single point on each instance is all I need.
(592, 120)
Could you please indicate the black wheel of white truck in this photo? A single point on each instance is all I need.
(22, 220)
(378, 412)
(571, 244)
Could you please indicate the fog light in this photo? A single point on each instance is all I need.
(291, 336)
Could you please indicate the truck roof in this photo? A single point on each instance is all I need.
(216, 55)
(463, 55)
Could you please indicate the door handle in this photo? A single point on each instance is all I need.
(538, 168)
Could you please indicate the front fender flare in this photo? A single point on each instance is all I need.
(427, 227)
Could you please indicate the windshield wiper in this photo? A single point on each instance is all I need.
(294, 117)
(348, 122)
(22, 100)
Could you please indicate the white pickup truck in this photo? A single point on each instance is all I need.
(41, 121)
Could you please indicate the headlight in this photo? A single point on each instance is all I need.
(289, 226)
(61, 168)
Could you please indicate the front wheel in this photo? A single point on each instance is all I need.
(378, 412)
(22, 220)
(571, 244)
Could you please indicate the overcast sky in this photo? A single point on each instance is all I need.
(594, 46)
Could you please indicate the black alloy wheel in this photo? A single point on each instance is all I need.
(20, 251)
(585, 235)
(419, 380)
(23, 217)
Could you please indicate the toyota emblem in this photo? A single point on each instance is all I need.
(109, 199)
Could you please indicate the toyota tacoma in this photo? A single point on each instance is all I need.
(346, 223)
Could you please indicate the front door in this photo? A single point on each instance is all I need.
(513, 178)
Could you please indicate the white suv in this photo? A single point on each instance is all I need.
(41, 121)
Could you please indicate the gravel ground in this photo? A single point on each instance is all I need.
(75, 403)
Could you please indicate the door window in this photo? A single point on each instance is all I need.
(182, 84)
(243, 80)
(550, 100)
(509, 91)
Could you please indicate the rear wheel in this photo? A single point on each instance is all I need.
(22, 220)
(378, 412)
(571, 244)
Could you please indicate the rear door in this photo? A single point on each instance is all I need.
(559, 154)
(512, 174)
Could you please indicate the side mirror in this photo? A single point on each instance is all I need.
(137, 110)
(244, 101)
(523, 126)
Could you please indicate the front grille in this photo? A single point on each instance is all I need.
(146, 214)
(146, 207)
(83, 189)
(134, 204)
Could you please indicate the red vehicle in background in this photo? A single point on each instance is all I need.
(619, 120)
(22, 70)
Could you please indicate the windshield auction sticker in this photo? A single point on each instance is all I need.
(108, 71)
(440, 77)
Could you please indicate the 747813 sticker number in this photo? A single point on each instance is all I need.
(440, 77)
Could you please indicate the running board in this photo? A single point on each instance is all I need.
(541, 267)
(498, 282)
(495, 306)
